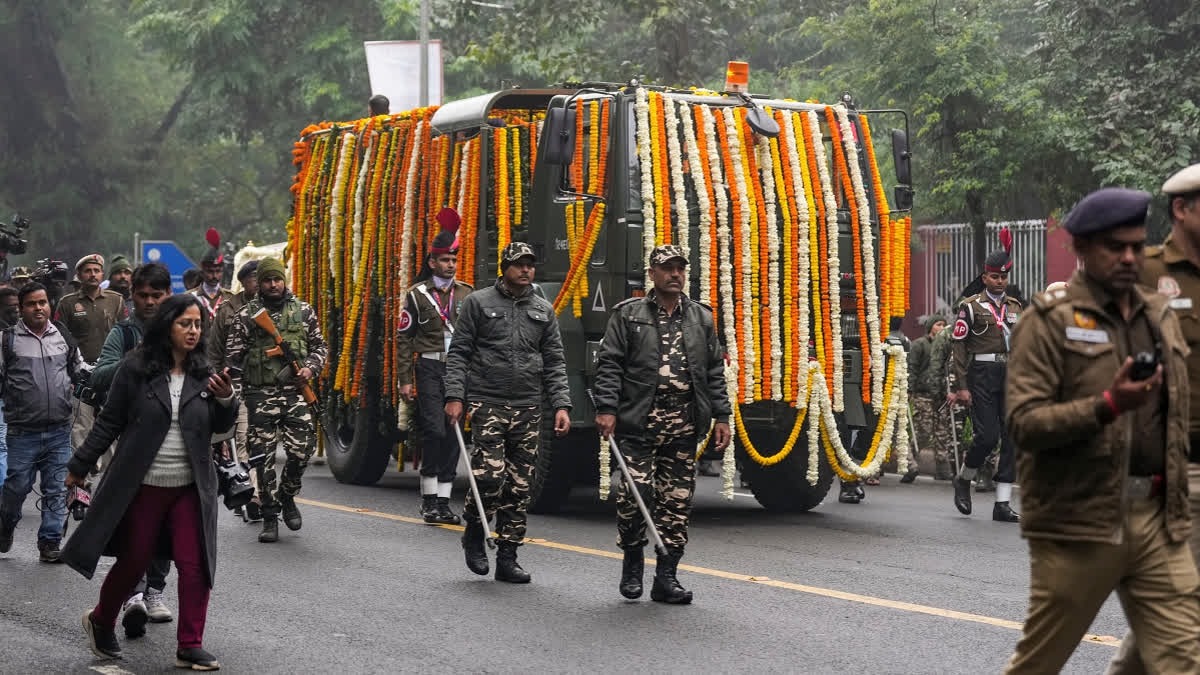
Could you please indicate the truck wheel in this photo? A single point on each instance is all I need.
(783, 486)
(356, 453)
(557, 461)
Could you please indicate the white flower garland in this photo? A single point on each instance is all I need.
(803, 256)
(605, 468)
(335, 208)
(675, 166)
(360, 190)
(729, 461)
(463, 169)
(891, 433)
(696, 166)
(646, 168)
(835, 266)
(735, 152)
(410, 186)
(766, 166)
(868, 254)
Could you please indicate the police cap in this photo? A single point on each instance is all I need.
(1184, 182)
(1107, 209)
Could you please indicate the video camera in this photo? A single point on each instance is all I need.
(12, 237)
(51, 272)
(233, 482)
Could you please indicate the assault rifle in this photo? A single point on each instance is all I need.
(284, 351)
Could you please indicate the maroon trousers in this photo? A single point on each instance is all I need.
(155, 508)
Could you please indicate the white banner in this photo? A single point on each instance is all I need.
(394, 67)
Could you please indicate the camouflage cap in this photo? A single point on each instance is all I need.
(515, 251)
(21, 272)
(661, 254)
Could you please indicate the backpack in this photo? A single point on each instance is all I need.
(10, 353)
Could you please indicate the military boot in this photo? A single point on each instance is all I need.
(429, 509)
(291, 514)
(507, 568)
(962, 495)
(444, 514)
(850, 493)
(666, 587)
(270, 533)
(472, 543)
(1003, 513)
(632, 570)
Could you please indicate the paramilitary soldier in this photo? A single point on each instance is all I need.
(981, 336)
(506, 357)
(431, 307)
(1174, 270)
(931, 412)
(277, 411)
(660, 381)
(1103, 450)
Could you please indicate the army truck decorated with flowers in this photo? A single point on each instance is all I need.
(780, 205)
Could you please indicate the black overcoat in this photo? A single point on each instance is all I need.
(138, 413)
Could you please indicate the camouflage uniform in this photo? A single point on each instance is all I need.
(276, 412)
(505, 441)
(662, 459)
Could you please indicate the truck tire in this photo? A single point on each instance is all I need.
(557, 461)
(784, 486)
(356, 453)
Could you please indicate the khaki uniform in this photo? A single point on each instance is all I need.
(211, 305)
(1168, 271)
(89, 320)
(1092, 525)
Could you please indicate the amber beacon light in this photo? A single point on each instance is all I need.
(737, 77)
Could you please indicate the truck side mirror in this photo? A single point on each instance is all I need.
(901, 157)
(558, 136)
(902, 198)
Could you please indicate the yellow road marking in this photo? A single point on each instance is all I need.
(733, 576)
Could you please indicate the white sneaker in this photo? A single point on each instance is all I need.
(156, 608)
(134, 617)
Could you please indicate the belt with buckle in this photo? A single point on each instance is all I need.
(1144, 487)
(434, 356)
(995, 358)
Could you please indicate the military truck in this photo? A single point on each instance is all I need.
(361, 436)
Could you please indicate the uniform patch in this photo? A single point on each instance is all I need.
(79, 307)
(405, 320)
(960, 329)
(1180, 303)
(1168, 286)
(1085, 335)
(1084, 321)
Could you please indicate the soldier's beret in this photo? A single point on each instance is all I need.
(1107, 209)
(1183, 182)
(249, 269)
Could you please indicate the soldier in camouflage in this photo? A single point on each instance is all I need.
(930, 410)
(508, 349)
(660, 381)
(276, 410)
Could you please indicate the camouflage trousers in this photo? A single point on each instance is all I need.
(662, 461)
(505, 442)
(277, 415)
(933, 429)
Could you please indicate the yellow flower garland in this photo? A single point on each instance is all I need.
(788, 445)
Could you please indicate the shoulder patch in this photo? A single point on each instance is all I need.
(1044, 301)
(405, 320)
(1168, 287)
(960, 328)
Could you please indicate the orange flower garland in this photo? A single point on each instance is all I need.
(702, 146)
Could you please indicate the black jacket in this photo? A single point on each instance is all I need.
(627, 366)
(507, 351)
(138, 412)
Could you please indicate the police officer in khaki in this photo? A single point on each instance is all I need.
(1173, 269)
(1102, 450)
(426, 327)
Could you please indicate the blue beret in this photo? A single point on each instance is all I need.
(1107, 209)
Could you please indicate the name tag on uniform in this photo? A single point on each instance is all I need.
(1180, 303)
(1087, 335)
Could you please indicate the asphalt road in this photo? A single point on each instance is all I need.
(899, 584)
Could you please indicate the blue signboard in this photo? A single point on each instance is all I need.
(168, 253)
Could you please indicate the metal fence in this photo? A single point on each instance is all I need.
(948, 260)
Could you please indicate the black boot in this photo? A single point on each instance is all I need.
(632, 570)
(1003, 513)
(444, 514)
(962, 495)
(270, 533)
(291, 514)
(429, 509)
(850, 493)
(103, 641)
(507, 568)
(910, 476)
(666, 587)
(472, 543)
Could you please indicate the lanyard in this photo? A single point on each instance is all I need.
(211, 308)
(999, 319)
(443, 310)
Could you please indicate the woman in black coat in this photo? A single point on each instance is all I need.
(160, 491)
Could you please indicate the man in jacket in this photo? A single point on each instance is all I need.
(506, 357)
(36, 367)
(272, 393)
(1102, 450)
(660, 382)
(431, 306)
(931, 413)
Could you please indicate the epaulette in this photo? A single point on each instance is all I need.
(626, 301)
(1154, 251)
(705, 306)
(463, 283)
(1045, 301)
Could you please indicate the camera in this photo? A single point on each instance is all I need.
(78, 502)
(12, 237)
(51, 272)
(233, 483)
(1144, 365)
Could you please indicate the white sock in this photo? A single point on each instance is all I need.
(429, 485)
(1003, 492)
(443, 489)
